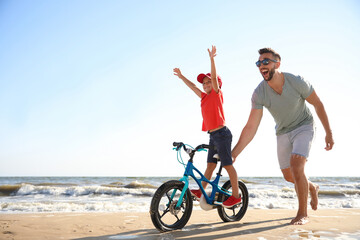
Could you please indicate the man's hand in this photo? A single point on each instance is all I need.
(233, 158)
(329, 142)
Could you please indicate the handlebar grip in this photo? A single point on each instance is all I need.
(206, 146)
(177, 144)
(203, 146)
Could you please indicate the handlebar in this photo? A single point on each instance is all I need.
(178, 145)
(189, 150)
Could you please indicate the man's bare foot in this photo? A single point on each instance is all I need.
(299, 220)
(314, 191)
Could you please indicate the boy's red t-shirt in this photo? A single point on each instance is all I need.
(212, 110)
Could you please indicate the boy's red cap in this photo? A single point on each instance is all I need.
(201, 76)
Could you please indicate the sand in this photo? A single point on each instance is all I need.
(256, 224)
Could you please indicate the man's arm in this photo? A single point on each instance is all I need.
(248, 132)
(214, 81)
(188, 83)
(314, 100)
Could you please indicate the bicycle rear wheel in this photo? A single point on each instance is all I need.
(164, 214)
(238, 211)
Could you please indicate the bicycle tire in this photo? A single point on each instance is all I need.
(163, 208)
(237, 212)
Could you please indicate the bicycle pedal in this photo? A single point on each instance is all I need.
(194, 198)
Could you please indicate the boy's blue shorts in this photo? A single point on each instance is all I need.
(221, 139)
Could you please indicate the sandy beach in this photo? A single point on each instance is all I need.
(256, 224)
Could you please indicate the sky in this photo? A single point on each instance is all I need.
(87, 87)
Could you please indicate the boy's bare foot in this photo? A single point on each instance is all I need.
(299, 220)
(314, 191)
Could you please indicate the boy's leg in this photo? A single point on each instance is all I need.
(208, 173)
(233, 179)
(222, 140)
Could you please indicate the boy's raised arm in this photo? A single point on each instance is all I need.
(214, 81)
(188, 83)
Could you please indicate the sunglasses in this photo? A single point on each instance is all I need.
(266, 61)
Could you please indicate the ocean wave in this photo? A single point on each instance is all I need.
(247, 181)
(7, 190)
(135, 188)
(270, 194)
(130, 194)
(342, 185)
(140, 189)
(339, 192)
(137, 184)
(28, 189)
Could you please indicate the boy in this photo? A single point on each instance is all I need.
(214, 123)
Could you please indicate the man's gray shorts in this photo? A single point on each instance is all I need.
(298, 142)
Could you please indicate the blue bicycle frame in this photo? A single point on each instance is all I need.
(189, 171)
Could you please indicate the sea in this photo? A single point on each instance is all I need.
(134, 194)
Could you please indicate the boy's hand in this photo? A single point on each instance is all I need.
(212, 53)
(177, 72)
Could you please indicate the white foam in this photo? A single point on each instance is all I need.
(28, 189)
(124, 237)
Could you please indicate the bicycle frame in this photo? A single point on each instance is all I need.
(172, 203)
(189, 171)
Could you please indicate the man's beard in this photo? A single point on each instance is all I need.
(271, 74)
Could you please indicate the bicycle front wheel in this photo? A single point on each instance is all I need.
(163, 211)
(238, 211)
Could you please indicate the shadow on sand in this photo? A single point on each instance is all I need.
(193, 231)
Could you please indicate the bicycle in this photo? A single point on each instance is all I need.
(172, 203)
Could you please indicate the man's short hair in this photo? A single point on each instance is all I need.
(272, 51)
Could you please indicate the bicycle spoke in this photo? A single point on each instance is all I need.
(165, 212)
(169, 198)
(233, 211)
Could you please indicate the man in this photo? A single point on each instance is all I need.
(284, 95)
